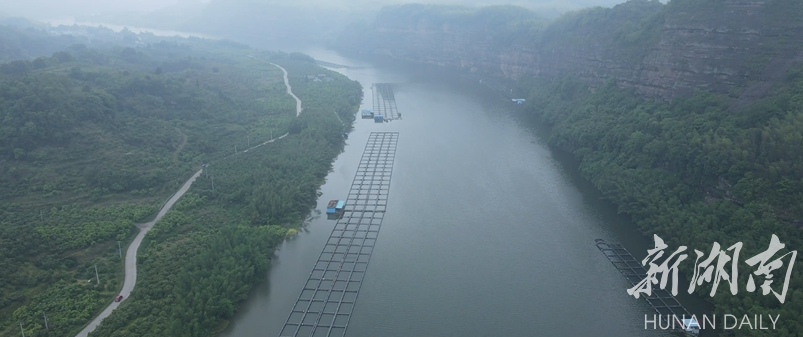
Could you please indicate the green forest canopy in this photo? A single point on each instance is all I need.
(96, 138)
(695, 172)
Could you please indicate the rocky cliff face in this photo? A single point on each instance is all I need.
(737, 47)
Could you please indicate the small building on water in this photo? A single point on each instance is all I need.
(335, 206)
(379, 118)
(367, 114)
(334, 210)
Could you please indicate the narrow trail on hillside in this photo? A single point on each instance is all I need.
(131, 253)
(180, 146)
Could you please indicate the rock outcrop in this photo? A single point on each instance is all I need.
(735, 47)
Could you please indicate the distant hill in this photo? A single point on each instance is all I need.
(662, 50)
(300, 22)
(687, 116)
(97, 135)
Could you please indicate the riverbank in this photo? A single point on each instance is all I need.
(465, 146)
(76, 187)
(666, 167)
(130, 278)
(233, 218)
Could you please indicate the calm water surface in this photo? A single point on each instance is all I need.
(488, 232)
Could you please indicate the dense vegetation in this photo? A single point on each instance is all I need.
(96, 139)
(695, 173)
(227, 226)
(624, 30)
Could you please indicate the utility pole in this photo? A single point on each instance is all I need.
(271, 135)
(21, 329)
(96, 274)
(120, 249)
(46, 327)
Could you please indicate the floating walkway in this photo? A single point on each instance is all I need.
(325, 305)
(661, 300)
(384, 101)
(497, 87)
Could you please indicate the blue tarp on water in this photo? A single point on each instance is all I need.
(334, 206)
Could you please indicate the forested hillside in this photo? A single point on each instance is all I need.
(95, 139)
(663, 49)
(686, 114)
(695, 173)
(228, 229)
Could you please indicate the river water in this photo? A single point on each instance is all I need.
(488, 232)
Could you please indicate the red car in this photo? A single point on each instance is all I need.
(118, 298)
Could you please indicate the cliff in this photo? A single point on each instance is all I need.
(736, 47)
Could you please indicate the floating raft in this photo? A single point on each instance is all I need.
(385, 101)
(498, 87)
(326, 302)
(661, 300)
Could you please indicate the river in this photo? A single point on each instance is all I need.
(488, 232)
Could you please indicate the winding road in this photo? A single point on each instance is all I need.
(131, 252)
(290, 90)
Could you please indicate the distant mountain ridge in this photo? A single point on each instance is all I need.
(662, 50)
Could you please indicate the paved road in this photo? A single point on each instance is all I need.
(290, 90)
(131, 257)
(131, 253)
(298, 107)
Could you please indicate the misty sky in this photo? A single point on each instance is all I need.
(54, 8)
(58, 9)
